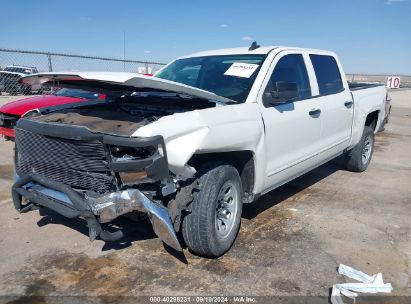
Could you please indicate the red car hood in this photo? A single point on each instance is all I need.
(19, 107)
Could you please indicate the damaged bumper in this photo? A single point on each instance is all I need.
(96, 210)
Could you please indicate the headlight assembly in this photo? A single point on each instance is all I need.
(131, 162)
(132, 153)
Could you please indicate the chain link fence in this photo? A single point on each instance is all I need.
(15, 63)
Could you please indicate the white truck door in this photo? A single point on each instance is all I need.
(292, 128)
(336, 105)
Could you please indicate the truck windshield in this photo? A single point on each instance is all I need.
(230, 76)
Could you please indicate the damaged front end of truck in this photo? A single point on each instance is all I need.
(78, 177)
(82, 162)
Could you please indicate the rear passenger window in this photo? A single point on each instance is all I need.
(328, 74)
(291, 68)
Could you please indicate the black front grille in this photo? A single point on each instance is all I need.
(77, 163)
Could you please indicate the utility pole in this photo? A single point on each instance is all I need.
(49, 62)
(124, 51)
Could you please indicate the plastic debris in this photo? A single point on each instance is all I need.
(369, 284)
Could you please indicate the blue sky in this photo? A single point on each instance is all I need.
(372, 36)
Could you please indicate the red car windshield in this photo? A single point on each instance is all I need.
(77, 93)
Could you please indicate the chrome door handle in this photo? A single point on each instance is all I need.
(348, 104)
(315, 113)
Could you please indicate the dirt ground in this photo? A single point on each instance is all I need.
(291, 240)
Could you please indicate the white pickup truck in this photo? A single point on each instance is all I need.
(10, 76)
(188, 147)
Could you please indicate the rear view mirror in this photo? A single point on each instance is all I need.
(285, 91)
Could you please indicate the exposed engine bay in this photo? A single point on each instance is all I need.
(123, 115)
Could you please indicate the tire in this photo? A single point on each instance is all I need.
(388, 115)
(358, 159)
(210, 228)
(14, 91)
(26, 90)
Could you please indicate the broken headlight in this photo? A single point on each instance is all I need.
(132, 153)
(134, 161)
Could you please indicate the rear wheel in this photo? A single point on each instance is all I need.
(388, 115)
(358, 159)
(214, 216)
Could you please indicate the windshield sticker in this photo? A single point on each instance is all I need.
(241, 69)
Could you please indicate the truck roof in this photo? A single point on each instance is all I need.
(245, 50)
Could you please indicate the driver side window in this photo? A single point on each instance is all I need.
(290, 70)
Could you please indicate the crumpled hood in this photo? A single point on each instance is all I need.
(118, 81)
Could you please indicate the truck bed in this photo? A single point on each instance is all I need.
(368, 98)
(354, 86)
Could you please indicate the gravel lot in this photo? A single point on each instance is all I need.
(291, 240)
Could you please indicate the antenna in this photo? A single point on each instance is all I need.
(254, 46)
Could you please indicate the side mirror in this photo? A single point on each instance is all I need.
(285, 91)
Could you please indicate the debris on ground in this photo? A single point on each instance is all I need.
(369, 284)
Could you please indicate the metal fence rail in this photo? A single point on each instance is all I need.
(49, 62)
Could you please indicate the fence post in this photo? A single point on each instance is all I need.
(49, 61)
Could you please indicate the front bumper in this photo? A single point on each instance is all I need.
(41, 191)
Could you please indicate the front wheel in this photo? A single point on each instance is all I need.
(358, 159)
(214, 216)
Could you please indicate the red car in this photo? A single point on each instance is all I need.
(11, 112)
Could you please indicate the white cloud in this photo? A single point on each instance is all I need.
(147, 52)
(394, 1)
(247, 38)
(223, 25)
